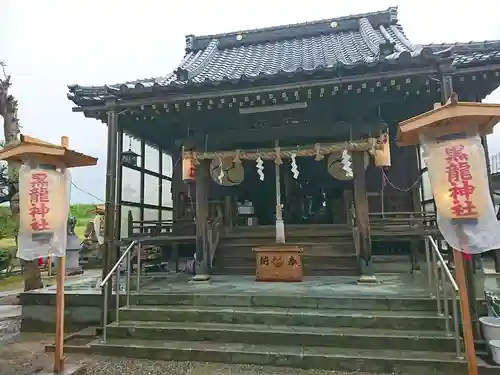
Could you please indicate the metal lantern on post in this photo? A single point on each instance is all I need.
(129, 158)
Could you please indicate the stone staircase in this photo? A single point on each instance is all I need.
(380, 335)
(328, 249)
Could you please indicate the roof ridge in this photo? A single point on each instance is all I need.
(387, 16)
(471, 46)
(391, 11)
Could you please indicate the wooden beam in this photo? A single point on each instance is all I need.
(416, 204)
(202, 181)
(224, 140)
(361, 210)
(177, 184)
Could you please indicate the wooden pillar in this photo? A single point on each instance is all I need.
(417, 206)
(362, 220)
(202, 180)
(119, 189)
(110, 206)
(177, 185)
(228, 211)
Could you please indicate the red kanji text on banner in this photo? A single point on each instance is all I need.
(44, 209)
(459, 179)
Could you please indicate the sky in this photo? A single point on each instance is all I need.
(52, 43)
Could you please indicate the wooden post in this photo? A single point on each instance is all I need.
(417, 207)
(119, 189)
(59, 340)
(470, 350)
(280, 225)
(228, 211)
(109, 207)
(202, 179)
(49, 266)
(362, 220)
(177, 186)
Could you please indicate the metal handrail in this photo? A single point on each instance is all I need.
(441, 290)
(115, 268)
(443, 264)
(117, 264)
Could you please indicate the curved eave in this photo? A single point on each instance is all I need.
(85, 96)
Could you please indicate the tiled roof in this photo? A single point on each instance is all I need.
(339, 44)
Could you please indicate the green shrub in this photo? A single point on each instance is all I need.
(7, 225)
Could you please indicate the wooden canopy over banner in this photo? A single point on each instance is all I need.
(453, 117)
(45, 153)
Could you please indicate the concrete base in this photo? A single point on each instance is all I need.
(69, 369)
(367, 279)
(200, 278)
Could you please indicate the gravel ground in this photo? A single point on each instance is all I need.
(115, 366)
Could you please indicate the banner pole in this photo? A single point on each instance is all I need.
(59, 344)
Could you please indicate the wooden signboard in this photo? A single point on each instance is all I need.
(278, 263)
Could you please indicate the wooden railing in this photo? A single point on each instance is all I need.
(137, 228)
(403, 219)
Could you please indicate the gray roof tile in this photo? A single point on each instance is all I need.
(339, 44)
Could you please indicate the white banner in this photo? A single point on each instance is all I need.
(44, 210)
(465, 213)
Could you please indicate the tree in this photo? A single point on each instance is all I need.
(9, 182)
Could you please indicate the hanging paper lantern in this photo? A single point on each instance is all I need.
(226, 172)
(188, 168)
(336, 168)
(382, 157)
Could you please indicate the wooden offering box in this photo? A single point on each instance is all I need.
(278, 263)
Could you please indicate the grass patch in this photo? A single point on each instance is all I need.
(7, 243)
(10, 243)
(11, 282)
(17, 282)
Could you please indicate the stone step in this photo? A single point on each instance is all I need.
(246, 246)
(284, 335)
(322, 242)
(317, 357)
(299, 235)
(291, 232)
(307, 271)
(291, 228)
(348, 302)
(397, 320)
